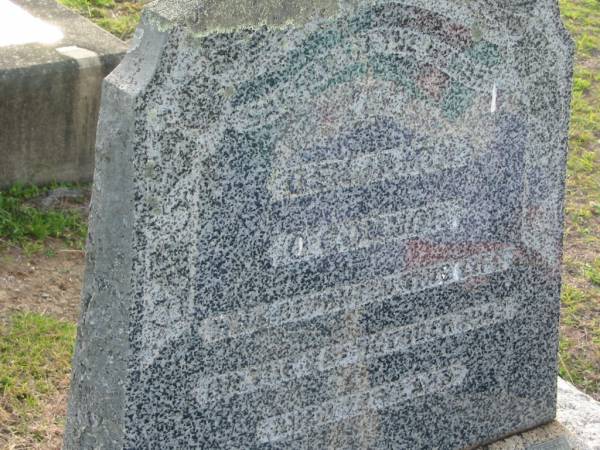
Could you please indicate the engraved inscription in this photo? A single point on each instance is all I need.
(352, 296)
(276, 372)
(303, 421)
(355, 235)
(423, 157)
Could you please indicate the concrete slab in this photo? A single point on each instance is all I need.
(52, 63)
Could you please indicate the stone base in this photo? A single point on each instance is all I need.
(577, 426)
(50, 92)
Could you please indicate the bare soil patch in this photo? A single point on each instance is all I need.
(46, 284)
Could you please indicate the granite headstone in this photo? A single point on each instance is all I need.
(326, 224)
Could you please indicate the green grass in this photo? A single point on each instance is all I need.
(580, 329)
(592, 272)
(572, 300)
(575, 367)
(117, 17)
(28, 227)
(35, 362)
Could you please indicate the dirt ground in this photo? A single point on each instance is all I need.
(46, 429)
(39, 283)
(49, 285)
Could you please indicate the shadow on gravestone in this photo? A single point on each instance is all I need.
(323, 224)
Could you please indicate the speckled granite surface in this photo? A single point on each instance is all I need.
(326, 225)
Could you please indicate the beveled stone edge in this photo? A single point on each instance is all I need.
(100, 376)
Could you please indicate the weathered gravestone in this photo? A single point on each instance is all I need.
(323, 224)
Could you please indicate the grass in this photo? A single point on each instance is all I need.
(26, 226)
(580, 328)
(117, 17)
(35, 363)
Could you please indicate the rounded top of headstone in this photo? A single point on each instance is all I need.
(224, 15)
(207, 15)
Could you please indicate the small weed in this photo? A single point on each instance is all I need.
(563, 353)
(573, 302)
(592, 272)
(571, 296)
(580, 215)
(121, 26)
(581, 84)
(575, 367)
(584, 163)
(587, 43)
(32, 247)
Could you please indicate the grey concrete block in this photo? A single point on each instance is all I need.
(50, 96)
(579, 413)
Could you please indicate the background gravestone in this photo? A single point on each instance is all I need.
(323, 224)
(52, 63)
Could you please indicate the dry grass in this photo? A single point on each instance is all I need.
(580, 328)
(35, 363)
(119, 17)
